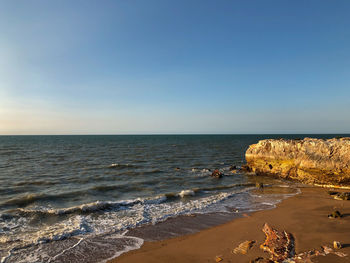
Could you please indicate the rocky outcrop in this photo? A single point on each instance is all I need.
(314, 161)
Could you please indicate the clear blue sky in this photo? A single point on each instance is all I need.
(81, 67)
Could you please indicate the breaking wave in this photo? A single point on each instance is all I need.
(120, 205)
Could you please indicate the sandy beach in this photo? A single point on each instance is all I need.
(305, 216)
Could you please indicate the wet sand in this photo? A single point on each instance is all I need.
(304, 215)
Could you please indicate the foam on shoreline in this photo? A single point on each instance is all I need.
(88, 222)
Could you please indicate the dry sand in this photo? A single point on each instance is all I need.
(304, 215)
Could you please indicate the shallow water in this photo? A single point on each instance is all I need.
(71, 197)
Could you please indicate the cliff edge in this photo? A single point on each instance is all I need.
(311, 161)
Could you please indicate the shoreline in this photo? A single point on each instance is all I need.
(304, 215)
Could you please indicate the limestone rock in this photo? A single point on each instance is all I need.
(313, 161)
(279, 244)
(244, 247)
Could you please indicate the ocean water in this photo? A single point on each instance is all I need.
(91, 198)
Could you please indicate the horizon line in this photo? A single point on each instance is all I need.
(155, 134)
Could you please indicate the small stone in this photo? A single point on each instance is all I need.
(218, 259)
(335, 214)
(336, 245)
(259, 185)
(244, 247)
(261, 260)
(233, 167)
(342, 196)
(217, 174)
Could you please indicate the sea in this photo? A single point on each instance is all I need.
(91, 198)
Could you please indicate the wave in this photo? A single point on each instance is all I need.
(95, 206)
(126, 204)
(104, 205)
(22, 183)
(86, 220)
(119, 165)
(106, 187)
(28, 199)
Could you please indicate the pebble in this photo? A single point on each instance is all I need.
(336, 245)
(218, 259)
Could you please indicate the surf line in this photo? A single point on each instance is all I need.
(65, 250)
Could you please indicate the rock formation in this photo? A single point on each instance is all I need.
(281, 248)
(279, 244)
(314, 161)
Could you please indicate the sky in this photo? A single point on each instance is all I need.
(192, 66)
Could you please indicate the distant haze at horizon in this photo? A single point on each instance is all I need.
(165, 67)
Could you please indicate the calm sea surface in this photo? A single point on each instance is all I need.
(67, 198)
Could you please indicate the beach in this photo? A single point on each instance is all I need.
(305, 216)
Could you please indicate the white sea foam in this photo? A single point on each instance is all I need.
(201, 172)
(117, 216)
(65, 250)
(184, 193)
(138, 243)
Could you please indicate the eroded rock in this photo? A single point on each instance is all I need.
(244, 247)
(313, 161)
(279, 244)
(281, 247)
